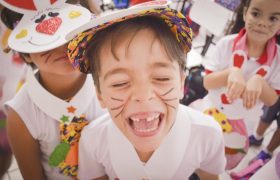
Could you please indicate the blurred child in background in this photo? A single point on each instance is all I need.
(243, 74)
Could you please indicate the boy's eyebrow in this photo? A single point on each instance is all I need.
(162, 64)
(154, 65)
(114, 71)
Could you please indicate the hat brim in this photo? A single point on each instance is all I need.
(42, 31)
(81, 36)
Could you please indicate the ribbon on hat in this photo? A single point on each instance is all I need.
(174, 19)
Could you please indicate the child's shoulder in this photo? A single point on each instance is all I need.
(98, 126)
(21, 99)
(198, 118)
(228, 39)
(94, 135)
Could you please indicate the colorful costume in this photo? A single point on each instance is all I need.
(53, 121)
(194, 141)
(232, 51)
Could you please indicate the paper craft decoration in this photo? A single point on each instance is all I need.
(44, 24)
(107, 18)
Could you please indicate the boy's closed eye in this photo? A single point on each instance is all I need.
(162, 79)
(120, 84)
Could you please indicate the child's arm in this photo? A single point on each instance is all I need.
(232, 78)
(205, 175)
(258, 88)
(25, 148)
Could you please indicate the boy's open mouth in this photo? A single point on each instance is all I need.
(145, 124)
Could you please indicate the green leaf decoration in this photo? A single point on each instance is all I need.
(59, 154)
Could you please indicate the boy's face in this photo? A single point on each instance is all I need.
(141, 90)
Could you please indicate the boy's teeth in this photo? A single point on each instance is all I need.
(135, 119)
(150, 118)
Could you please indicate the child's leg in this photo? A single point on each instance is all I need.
(262, 127)
(266, 154)
(269, 115)
(275, 141)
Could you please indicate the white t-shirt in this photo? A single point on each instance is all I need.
(42, 123)
(222, 59)
(195, 141)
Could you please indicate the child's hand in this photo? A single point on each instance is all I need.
(253, 91)
(235, 84)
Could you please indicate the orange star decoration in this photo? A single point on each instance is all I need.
(71, 109)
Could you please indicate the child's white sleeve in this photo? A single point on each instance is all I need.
(220, 58)
(215, 161)
(89, 168)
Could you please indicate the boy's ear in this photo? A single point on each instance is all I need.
(183, 77)
(99, 97)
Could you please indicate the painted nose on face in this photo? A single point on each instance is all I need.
(49, 26)
(143, 93)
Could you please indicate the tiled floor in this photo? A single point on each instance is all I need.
(194, 58)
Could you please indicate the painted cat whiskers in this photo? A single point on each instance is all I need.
(118, 107)
(167, 100)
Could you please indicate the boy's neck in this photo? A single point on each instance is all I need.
(144, 156)
(62, 86)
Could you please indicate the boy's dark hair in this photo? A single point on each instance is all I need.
(238, 23)
(117, 31)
